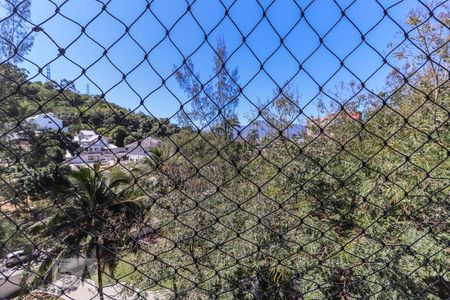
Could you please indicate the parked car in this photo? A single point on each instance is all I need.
(19, 257)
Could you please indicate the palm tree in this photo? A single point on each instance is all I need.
(94, 215)
(148, 170)
(158, 155)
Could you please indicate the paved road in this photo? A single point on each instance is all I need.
(10, 278)
(87, 290)
(73, 287)
(10, 281)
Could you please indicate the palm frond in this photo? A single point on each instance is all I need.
(44, 273)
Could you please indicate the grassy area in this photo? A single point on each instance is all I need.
(125, 273)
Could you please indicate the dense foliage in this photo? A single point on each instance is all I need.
(356, 209)
(353, 208)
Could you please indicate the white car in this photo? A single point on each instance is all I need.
(17, 257)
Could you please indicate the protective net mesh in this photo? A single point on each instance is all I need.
(335, 185)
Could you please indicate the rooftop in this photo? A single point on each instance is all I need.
(145, 143)
(87, 132)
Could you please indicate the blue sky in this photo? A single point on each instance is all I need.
(149, 31)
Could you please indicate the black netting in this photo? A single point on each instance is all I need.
(240, 149)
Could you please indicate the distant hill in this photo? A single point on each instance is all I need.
(21, 99)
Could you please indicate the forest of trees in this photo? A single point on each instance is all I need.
(351, 209)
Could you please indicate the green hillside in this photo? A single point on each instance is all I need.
(21, 98)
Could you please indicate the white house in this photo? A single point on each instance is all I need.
(91, 149)
(49, 121)
(90, 141)
(95, 148)
(140, 149)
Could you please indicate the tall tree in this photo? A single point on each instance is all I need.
(15, 38)
(284, 108)
(212, 104)
(118, 135)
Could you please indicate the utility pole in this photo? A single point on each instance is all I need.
(49, 74)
